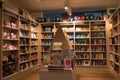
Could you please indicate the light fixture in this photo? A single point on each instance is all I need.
(67, 7)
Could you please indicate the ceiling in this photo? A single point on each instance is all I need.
(58, 5)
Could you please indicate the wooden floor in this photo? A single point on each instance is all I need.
(81, 73)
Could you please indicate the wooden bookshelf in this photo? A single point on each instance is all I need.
(47, 33)
(19, 45)
(10, 44)
(88, 39)
(114, 42)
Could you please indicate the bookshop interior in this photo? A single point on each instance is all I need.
(60, 40)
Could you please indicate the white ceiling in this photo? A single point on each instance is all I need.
(58, 5)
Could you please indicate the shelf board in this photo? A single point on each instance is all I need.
(86, 31)
(98, 37)
(10, 50)
(82, 44)
(24, 45)
(5, 78)
(98, 58)
(98, 51)
(115, 26)
(83, 58)
(97, 30)
(34, 45)
(82, 51)
(98, 44)
(10, 63)
(47, 32)
(81, 38)
(16, 29)
(115, 63)
(34, 59)
(24, 29)
(47, 39)
(34, 52)
(45, 45)
(10, 39)
(35, 38)
(114, 44)
(114, 53)
(24, 53)
(24, 37)
(34, 31)
(24, 61)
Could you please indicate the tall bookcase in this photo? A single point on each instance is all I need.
(115, 42)
(46, 41)
(88, 39)
(19, 45)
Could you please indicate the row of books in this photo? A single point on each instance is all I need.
(43, 49)
(85, 35)
(82, 41)
(47, 36)
(47, 29)
(24, 41)
(98, 27)
(98, 34)
(98, 48)
(82, 28)
(9, 35)
(24, 58)
(46, 42)
(24, 50)
(98, 56)
(98, 41)
(82, 48)
(83, 55)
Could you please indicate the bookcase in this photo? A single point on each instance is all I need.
(19, 45)
(88, 39)
(115, 42)
(46, 41)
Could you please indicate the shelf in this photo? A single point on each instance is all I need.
(98, 31)
(33, 45)
(24, 54)
(34, 31)
(10, 50)
(115, 53)
(98, 44)
(24, 29)
(98, 37)
(47, 39)
(83, 58)
(24, 45)
(24, 37)
(98, 51)
(9, 63)
(47, 32)
(24, 61)
(35, 38)
(34, 59)
(115, 63)
(82, 31)
(98, 59)
(10, 39)
(82, 44)
(82, 51)
(81, 38)
(16, 29)
(45, 45)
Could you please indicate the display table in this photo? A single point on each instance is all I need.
(56, 75)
